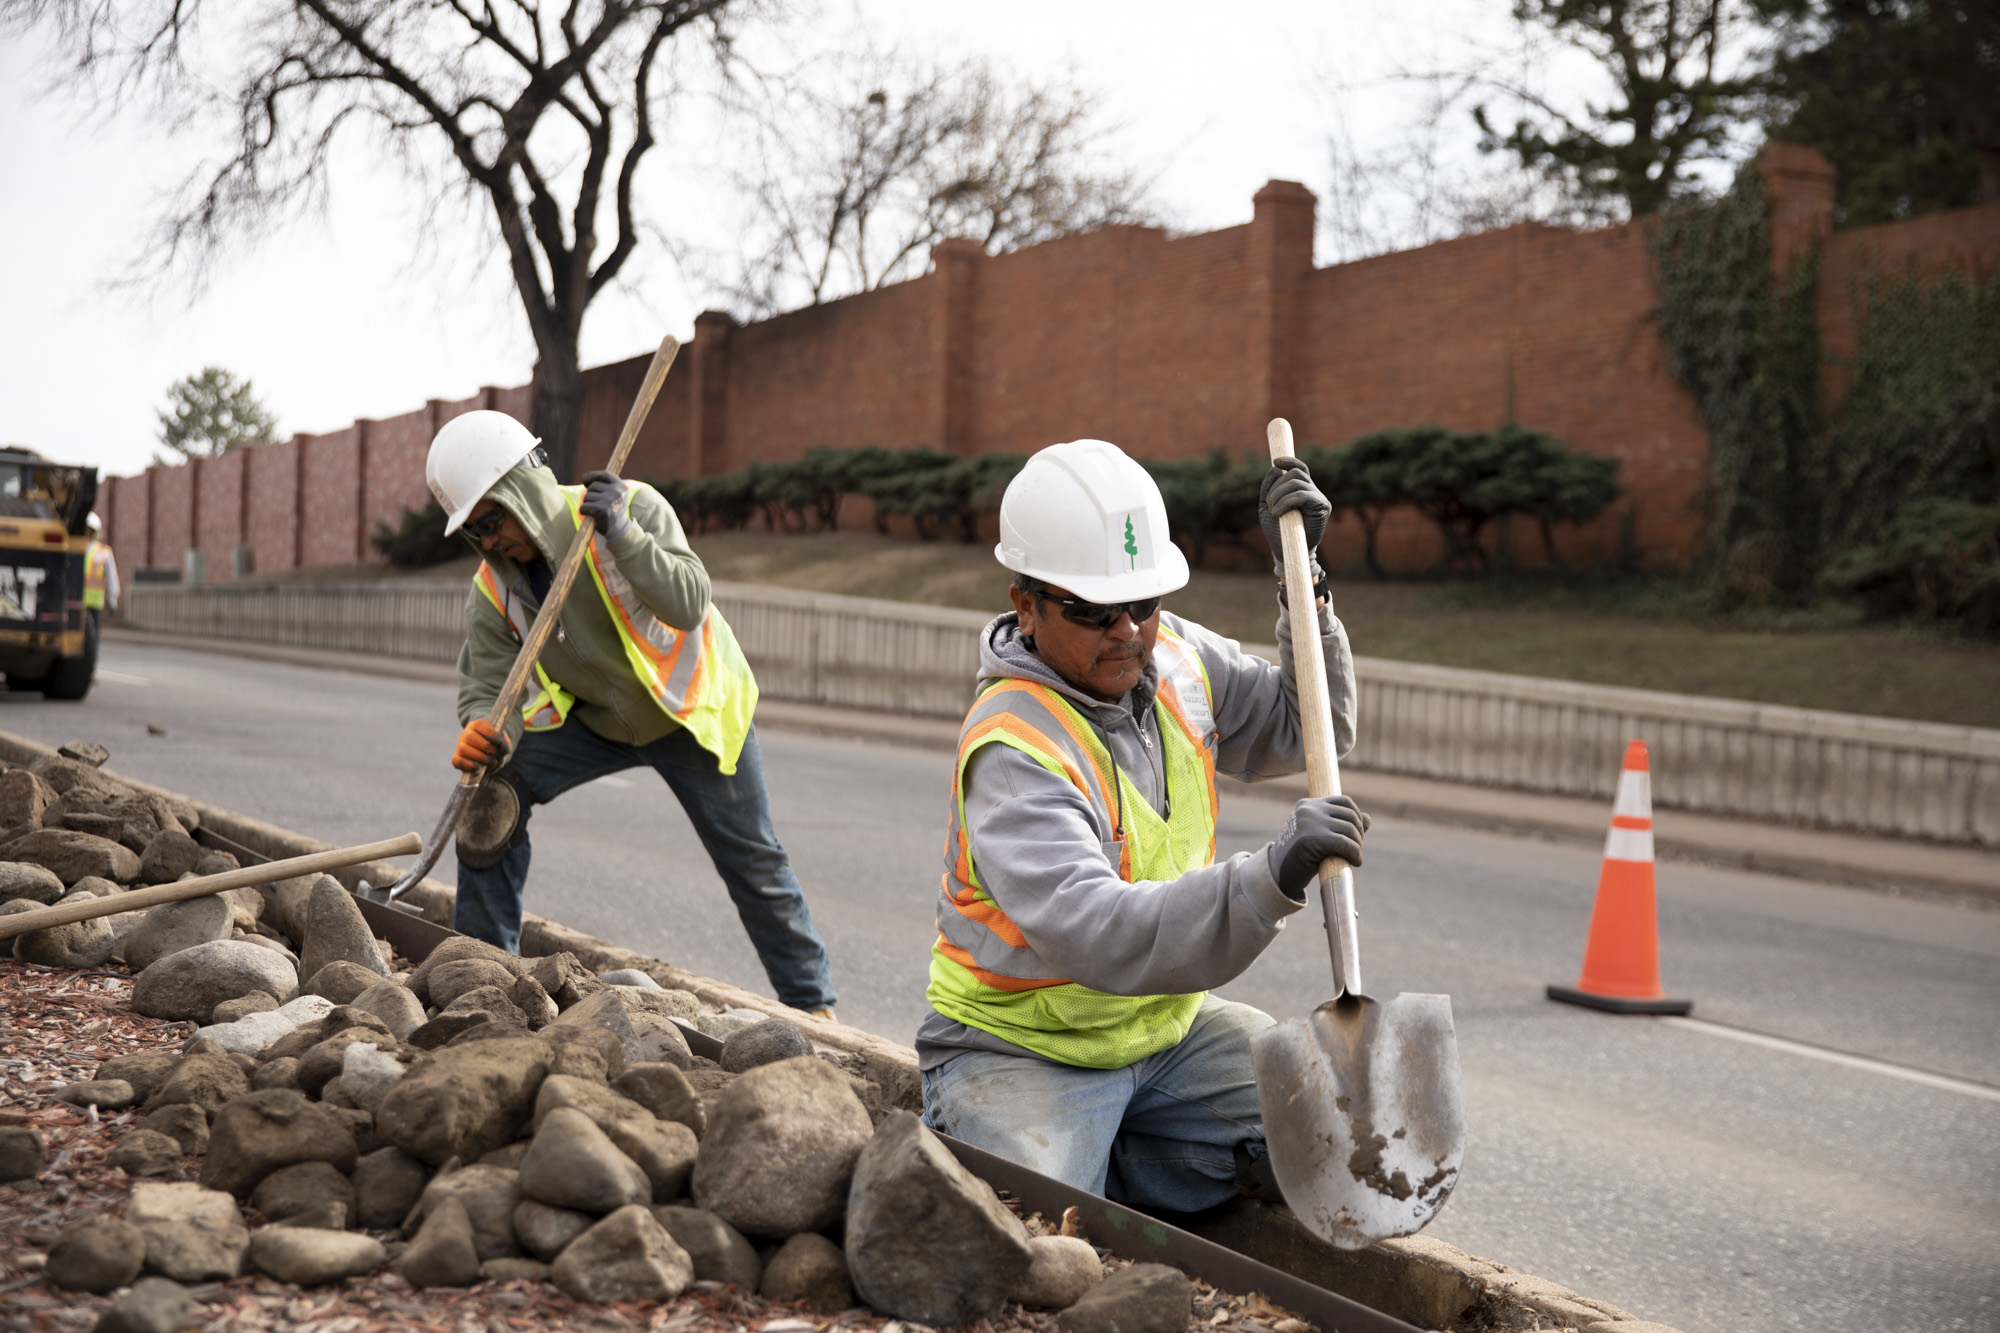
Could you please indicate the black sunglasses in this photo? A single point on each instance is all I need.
(486, 525)
(1097, 615)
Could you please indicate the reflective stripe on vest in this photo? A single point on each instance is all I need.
(984, 973)
(698, 678)
(94, 559)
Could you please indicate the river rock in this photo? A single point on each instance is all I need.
(605, 1010)
(246, 906)
(684, 1005)
(311, 1257)
(450, 980)
(24, 799)
(664, 1149)
(325, 1059)
(394, 1004)
(545, 1231)
(1060, 1270)
(144, 1070)
(336, 930)
(153, 1305)
(665, 1091)
(455, 949)
(102, 888)
(489, 1000)
(286, 904)
(184, 1123)
(304, 1187)
(527, 995)
(489, 1195)
(25, 880)
(926, 1239)
(146, 1152)
(23, 1152)
(106, 1094)
(592, 1098)
(259, 1132)
(718, 1251)
(442, 1031)
(765, 1043)
(1145, 1298)
(74, 944)
(808, 1268)
(88, 753)
(204, 1079)
(169, 854)
(573, 1164)
(565, 979)
(465, 1101)
(387, 1184)
(72, 855)
(189, 984)
(172, 927)
(628, 976)
(661, 1040)
(342, 982)
(722, 1026)
(605, 1045)
(192, 1234)
(443, 1254)
(256, 1002)
(626, 1257)
(215, 862)
(780, 1148)
(97, 1254)
(367, 1073)
(282, 1072)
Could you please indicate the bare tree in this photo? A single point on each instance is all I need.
(855, 185)
(541, 112)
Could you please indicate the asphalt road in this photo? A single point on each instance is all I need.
(1705, 1183)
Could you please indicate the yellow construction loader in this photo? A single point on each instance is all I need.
(48, 638)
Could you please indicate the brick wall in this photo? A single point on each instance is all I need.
(1169, 346)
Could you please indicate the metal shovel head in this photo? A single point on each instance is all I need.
(1363, 1114)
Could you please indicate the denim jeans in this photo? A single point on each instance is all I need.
(1163, 1133)
(732, 815)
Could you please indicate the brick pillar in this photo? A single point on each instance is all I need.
(954, 287)
(362, 428)
(1799, 184)
(299, 445)
(708, 394)
(194, 467)
(1281, 259)
(152, 515)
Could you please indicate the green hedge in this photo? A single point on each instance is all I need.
(941, 494)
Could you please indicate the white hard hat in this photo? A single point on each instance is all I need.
(94, 523)
(470, 454)
(1085, 517)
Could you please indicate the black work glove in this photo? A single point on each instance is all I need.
(604, 501)
(1288, 486)
(1321, 826)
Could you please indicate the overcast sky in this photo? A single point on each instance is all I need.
(349, 315)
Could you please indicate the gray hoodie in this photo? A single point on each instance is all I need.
(1039, 852)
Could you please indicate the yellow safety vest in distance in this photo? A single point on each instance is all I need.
(699, 678)
(984, 973)
(94, 559)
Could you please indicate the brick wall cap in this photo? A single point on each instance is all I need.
(1284, 192)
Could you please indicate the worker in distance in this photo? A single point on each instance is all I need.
(642, 672)
(1082, 917)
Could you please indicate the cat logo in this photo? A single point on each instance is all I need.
(20, 591)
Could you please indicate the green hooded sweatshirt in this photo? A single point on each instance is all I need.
(585, 655)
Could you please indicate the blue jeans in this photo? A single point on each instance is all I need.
(1162, 1133)
(732, 815)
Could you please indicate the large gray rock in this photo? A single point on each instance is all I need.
(443, 1254)
(573, 1164)
(192, 1234)
(22, 879)
(464, 1101)
(336, 931)
(74, 944)
(259, 1132)
(1060, 1270)
(808, 1268)
(664, 1149)
(342, 982)
(665, 1091)
(286, 902)
(545, 1231)
(606, 1010)
(780, 1148)
(169, 854)
(719, 1252)
(626, 1257)
(73, 855)
(24, 799)
(23, 1151)
(153, 1305)
(393, 1003)
(259, 1030)
(304, 1187)
(367, 1073)
(97, 1254)
(172, 927)
(660, 1040)
(312, 1258)
(1145, 1298)
(450, 980)
(595, 1100)
(189, 984)
(206, 1079)
(387, 1184)
(926, 1239)
(489, 1196)
(764, 1043)
(324, 1060)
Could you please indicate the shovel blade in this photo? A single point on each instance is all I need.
(1363, 1114)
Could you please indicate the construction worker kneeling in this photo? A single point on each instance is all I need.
(1083, 916)
(642, 672)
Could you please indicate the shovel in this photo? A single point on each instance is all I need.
(1363, 1113)
(538, 636)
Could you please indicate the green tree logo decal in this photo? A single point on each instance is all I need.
(1131, 544)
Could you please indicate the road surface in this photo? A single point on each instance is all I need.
(1690, 1177)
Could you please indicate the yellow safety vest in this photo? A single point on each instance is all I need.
(984, 973)
(95, 557)
(699, 678)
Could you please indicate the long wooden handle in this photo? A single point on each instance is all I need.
(505, 702)
(63, 914)
(1336, 880)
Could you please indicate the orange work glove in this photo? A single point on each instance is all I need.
(480, 746)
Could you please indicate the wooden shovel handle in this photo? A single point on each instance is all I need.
(63, 914)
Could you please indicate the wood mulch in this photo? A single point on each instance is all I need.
(55, 1027)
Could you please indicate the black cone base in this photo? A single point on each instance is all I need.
(1618, 1004)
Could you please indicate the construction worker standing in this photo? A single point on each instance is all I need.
(100, 571)
(1082, 915)
(642, 671)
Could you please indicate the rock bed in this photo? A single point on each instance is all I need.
(303, 1130)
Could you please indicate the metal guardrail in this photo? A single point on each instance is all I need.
(1835, 770)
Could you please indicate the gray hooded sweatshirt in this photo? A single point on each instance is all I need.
(1038, 850)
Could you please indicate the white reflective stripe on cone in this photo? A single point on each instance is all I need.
(1629, 844)
(1635, 794)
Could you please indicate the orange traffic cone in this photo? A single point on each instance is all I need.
(1621, 962)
